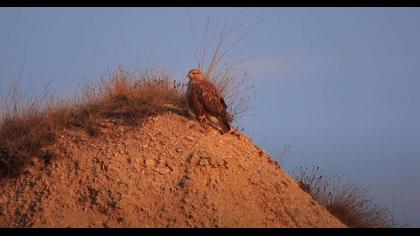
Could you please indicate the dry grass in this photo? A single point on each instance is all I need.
(346, 201)
(226, 74)
(29, 124)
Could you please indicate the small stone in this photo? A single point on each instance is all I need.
(149, 163)
(279, 187)
(226, 164)
(203, 162)
(163, 171)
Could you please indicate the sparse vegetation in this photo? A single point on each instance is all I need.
(29, 124)
(346, 201)
(223, 72)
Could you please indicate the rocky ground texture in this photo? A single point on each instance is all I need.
(167, 172)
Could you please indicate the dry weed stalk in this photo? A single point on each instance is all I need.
(224, 73)
(28, 124)
(346, 201)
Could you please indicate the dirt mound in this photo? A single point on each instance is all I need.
(168, 172)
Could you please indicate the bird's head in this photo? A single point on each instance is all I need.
(195, 75)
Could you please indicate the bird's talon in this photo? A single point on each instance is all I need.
(202, 119)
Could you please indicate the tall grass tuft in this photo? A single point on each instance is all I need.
(345, 200)
(28, 124)
(228, 74)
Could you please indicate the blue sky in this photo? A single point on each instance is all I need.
(338, 85)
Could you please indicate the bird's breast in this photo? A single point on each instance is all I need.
(189, 88)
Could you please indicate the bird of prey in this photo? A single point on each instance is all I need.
(206, 102)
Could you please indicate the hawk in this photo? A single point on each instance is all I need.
(205, 101)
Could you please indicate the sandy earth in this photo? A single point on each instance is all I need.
(169, 172)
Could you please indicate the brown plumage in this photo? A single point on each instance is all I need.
(205, 100)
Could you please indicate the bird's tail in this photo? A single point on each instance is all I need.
(226, 125)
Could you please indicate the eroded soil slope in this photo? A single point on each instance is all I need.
(168, 172)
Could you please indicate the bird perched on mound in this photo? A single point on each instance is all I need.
(205, 101)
